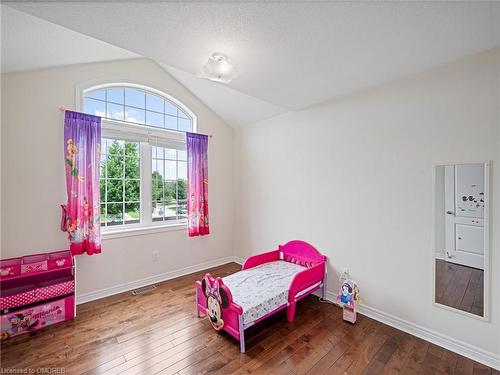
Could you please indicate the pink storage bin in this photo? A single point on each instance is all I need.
(59, 259)
(34, 263)
(10, 267)
(18, 296)
(37, 317)
(55, 288)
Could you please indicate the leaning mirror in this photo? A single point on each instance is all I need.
(461, 245)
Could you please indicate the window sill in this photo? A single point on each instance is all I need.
(139, 231)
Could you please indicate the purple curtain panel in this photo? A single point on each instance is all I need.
(82, 143)
(197, 197)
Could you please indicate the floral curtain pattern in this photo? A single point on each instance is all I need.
(197, 197)
(82, 139)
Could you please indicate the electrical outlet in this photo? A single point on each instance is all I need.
(156, 256)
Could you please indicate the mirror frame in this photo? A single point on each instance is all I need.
(487, 241)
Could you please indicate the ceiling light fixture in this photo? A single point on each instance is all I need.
(218, 68)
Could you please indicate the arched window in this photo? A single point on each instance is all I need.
(143, 155)
(138, 105)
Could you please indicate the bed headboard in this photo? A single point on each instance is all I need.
(302, 253)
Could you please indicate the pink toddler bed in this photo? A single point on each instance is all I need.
(267, 283)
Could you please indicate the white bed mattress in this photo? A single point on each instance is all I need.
(261, 289)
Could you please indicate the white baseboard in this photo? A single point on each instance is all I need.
(239, 260)
(92, 296)
(477, 354)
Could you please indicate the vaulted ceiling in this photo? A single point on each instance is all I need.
(31, 43)
(289, 55)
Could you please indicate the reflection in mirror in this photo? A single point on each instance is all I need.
(460, 246)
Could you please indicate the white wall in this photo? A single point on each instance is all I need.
(354, 178)
(33, 184)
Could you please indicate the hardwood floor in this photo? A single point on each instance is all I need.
(460, 287)
(159, 333)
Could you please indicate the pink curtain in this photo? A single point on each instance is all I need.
(197, 150)
(82, 142)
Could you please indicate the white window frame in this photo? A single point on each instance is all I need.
(147, 137)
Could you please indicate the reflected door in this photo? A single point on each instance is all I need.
(464, 214)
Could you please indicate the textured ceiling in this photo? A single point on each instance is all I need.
(31, 43)
(233, 106)
(289, 55)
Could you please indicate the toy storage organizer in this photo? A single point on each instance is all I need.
(36, 291)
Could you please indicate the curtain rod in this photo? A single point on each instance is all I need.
(62, 109)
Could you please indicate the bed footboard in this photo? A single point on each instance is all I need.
(215, 301)
(305, 283)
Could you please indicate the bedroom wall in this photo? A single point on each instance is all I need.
(33, 184)
(353, 177)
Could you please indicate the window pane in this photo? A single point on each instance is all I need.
(170, 191)
(154, 102)
(115, 111)
(114, 166)
(183, 114)
(135, 98)
(182, 209)
(158, 210)
(170, 210)
(157, 152)
(185, 125)
(114, 214)
(115, 191)
(135, 115)
(154, 119)
(170, 122)
(160, 168)
(115, 95)
(102, 167)
(170, 153)
(132, 190)
(102, 190)
(155, 173)
(132, 213)
(132, 149)
(97, 94)
(170, 170)
(157, 190)
(170, 108)
(181, 155)
(181, 190)
(182, 170)
(115, 146)
(132, 168)
(103, 214)
(94, 107)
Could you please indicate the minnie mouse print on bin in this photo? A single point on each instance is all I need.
(349, 298)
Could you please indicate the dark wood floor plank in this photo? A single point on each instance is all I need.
(460, 287)
(159, 333)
